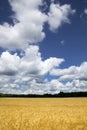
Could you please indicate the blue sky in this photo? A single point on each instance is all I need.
(43, 46)
(74, 36)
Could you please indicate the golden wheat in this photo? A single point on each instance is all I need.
(43, 114)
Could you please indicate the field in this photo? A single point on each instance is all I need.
(43, 114)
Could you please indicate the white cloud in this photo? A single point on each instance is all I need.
(9, 64)
(29, 23)
(76, 85)
(62, 42)
(24, 74)
(31, 63)
(28, 29)
(85, 11)
(73, 72)
(50, 63)
(29, 81)
(58, 15)
(67, 71)
(75, 77)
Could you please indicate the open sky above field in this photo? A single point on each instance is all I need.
(43, 46)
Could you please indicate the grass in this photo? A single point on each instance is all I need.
(43, 114)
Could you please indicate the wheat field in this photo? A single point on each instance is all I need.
(43, 114)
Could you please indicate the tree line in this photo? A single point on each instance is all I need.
(61, 94)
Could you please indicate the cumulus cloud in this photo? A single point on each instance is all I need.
(29, 23)
(58, 15)
(76, 85)
(75, 77)
(50, 63)
(32, 82)
(25, 73)
(9, 63)
(31, 63)
(73, 72)
(67, 72)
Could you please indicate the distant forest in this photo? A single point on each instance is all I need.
(61, 94)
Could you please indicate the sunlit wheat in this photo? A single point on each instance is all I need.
(43, 114)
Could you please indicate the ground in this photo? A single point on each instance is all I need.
(43, 113)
